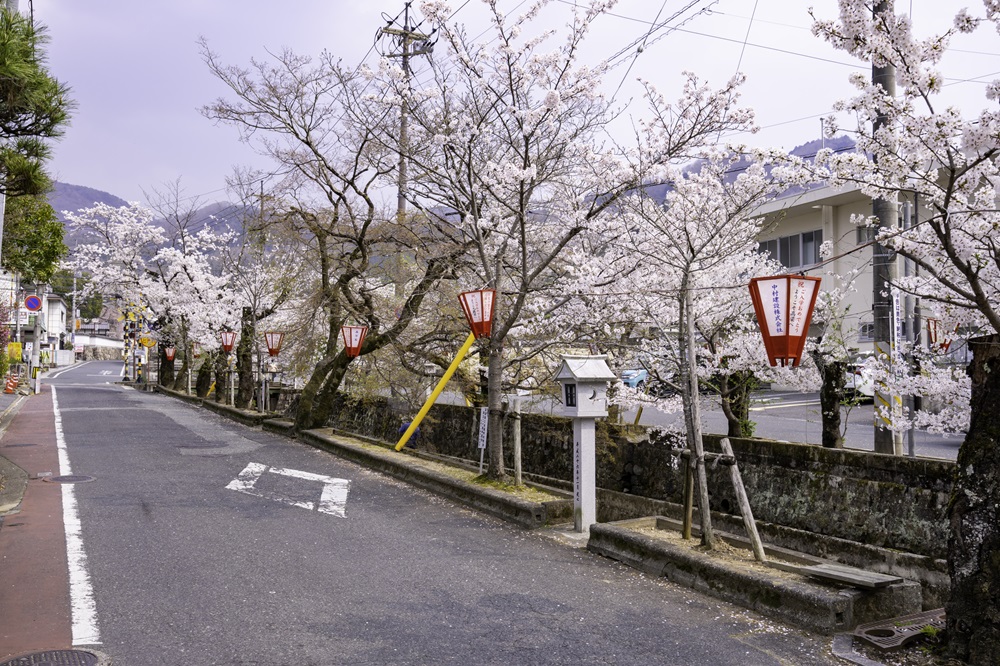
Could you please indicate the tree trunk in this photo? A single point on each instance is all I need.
(734, 393)
(204, 380)
(305, 419)
(221, 370)
(494, 449)
(165, 376)
(244, 360)
(831, 397)
(322, 406)
(180, 377)
(973, 610)
(692, 415)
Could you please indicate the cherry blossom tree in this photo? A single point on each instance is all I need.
(308, 116)
(949, 161)
(172, 279)
(508, 146)
(684, 263)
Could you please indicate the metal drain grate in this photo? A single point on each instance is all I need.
(896, 632)
(54, 658)
(12, 446)
(68, 478)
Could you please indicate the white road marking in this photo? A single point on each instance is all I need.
(332, 500)
(81, 592)
(67, 368)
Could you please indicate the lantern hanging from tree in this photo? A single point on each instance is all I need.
(784, 306)
(228, 340)
(478, 307)
(273, 340)
(353, 337)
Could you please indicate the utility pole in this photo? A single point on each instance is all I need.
(409, 42)
(884, 269)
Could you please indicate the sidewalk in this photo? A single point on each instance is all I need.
(34, 584)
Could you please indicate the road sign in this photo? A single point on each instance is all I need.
(33, 303)
(147, 341)
(484, 425)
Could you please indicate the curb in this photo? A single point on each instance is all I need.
(813, 606)
(530, 515)
(16, 479)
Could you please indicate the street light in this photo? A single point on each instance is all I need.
(228, 339)
(784, 306)
(479, 307)
(273, 340)
(353, 337)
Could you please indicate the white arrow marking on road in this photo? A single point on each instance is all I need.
(333, 498)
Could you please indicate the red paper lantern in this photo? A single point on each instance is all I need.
(273, 339)
(784, 306)
(170, 352)
(353, 337)
(478, 307)
(228, 340)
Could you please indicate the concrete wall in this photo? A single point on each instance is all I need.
(878, 500)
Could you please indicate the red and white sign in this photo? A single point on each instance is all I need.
(353, 337)
(478, 307)
(784, 306)
(33, 303)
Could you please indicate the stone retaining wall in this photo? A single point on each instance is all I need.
(880, 500)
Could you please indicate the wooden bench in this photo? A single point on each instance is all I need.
(840, 573)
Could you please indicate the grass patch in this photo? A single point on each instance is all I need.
(524, 492)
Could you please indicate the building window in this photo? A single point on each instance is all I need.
(865, 235)
(866, 332)
(796, 251)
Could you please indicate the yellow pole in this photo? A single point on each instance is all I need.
(437, 391)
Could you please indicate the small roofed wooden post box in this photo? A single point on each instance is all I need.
(584, 382)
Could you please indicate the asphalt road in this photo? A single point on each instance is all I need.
(795, 417)
(779, 415)
(185, 570)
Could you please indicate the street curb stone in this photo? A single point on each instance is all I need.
(530, 515)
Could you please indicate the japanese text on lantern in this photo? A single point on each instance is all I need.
(799, 307)
(776, 307)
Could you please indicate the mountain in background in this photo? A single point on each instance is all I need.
(65, 197)
(74, 197)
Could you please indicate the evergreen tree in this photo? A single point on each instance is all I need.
(34, 106)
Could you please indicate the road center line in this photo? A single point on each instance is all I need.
(81, 592)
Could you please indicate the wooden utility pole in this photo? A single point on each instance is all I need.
(407, 42)
(884, 268)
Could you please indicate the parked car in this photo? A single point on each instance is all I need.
(858, 381)
(636, 378)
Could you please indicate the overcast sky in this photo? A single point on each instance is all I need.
(137, 77)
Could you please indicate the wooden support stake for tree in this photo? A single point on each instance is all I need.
(741, 497)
